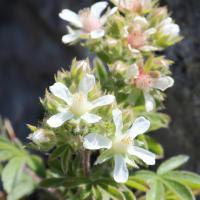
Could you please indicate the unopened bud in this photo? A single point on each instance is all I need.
(120, 67)
(82, 66)
(127, 115)
(45, 139)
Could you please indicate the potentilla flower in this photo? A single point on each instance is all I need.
(146, 82)
(133, 5)
(88, 20)
(167, 28)
(78, 105)
(137, 35)
(121, 146)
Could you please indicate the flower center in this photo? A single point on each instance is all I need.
(122, 143)
(136, 39)
(90, 22)
(143, 82)
(79, 104)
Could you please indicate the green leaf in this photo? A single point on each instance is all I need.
(181, 190)
(188, 178)
(129, 195)
(106, 155)
(109, 182)
(56, 167)
(20, 190)
(171, 164)
(111, 191)
(58, 151)
(134, 94)
(97, 192)
(11, 173)
(148, 64)
(76, 182)
(36, 164)
(85, 192)
(154, 146)
(12, 148)
(31, 145)
(145, 174)
(65, 160)
(5, 155)
(101, 71)
(52, 182)
(137, 183)
(157, 191)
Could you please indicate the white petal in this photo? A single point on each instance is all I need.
(61, 91)
(166, 21)
(120, 171)
(70, 16)
(140, 125)
(117, 117)
(105, 17)
(57, 120)
(149, 32)
(102, 101)
(90, 118)
(141, 21)
(126, 33)
(146, 156)
(97, 8)
(96, 141)
(86, 83)
(148, 48)
(70, 38)
(97, 33)
(132, 71)
(133, 49)
(162, 83)
(170, 29)
(149, 101)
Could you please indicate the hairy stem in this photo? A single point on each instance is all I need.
(86, 162)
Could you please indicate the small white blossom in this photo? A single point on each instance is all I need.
(143, 81)
(137, 35)
(78, 105)
(133, 5)
(88, 19)
(122, 145)
(167, 28)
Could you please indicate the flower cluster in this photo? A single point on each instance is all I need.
(85, 112)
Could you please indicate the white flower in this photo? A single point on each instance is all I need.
(168, 29)
(133, 5)
(121, 146)
(143, 81)
(89, 20)
(78, 105)
(137, 35)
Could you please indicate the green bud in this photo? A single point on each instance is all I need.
(45, 139)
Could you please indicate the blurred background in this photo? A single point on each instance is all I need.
(31, 52)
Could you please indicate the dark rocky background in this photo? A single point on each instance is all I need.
(31, 52)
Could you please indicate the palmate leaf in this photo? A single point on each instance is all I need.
(52, 182)
(128, 194)
(37, 166)
(171, 164)
(137, 183)
(111, 191)
(58, 151)
(76, 182)
(97, 192)
(181, 190)
(187, 178)
(157, 190)
(145, 174)
(85, 192)
(11, 173)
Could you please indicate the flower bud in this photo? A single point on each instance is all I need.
(120, 67)
(45, 139)
(82, 66)
(127, 115)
